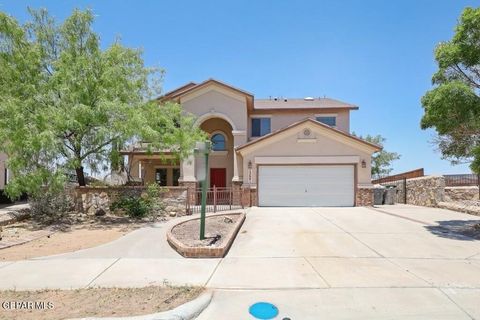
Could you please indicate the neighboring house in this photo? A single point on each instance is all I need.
(278, 151)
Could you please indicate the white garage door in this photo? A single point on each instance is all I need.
(306, 186)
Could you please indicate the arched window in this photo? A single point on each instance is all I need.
(219, 142)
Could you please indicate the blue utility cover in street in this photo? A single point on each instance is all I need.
(263, 310)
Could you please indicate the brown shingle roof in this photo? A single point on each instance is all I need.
(193, 87)
(314, 103)
(179, 89)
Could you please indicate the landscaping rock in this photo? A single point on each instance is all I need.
(470, 207)
(453, 194)
(100, 212)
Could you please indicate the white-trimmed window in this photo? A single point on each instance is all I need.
(330, 120)
(261, 126)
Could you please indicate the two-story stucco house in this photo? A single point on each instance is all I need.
(281, 152)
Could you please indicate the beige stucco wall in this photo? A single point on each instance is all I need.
(280, 120)
(215, 102)
(3, 158)
(149, 164)
(289, 146)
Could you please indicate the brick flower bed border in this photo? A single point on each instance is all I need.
(205, 252)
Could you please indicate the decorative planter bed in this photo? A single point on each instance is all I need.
(220, 231)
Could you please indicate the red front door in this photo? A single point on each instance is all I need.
(218, 177)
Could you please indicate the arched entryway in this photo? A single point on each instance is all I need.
(221, 158)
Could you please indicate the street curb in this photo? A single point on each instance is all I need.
(13, 215)
(186, 311)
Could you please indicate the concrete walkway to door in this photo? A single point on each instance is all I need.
(313, 263)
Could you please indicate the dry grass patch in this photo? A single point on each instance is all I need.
(97, 302)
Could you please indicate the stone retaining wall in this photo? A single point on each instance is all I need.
(426, 191)
(364, 197)
(461, 193)
(91, 200)
(248, 196)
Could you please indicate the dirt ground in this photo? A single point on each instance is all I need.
(71, 234)
(98, 302)
(217, 229)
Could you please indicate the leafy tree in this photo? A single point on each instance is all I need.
(66, 103)
(381, 160)
(452, 107)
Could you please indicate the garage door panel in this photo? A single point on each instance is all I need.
(306, 185)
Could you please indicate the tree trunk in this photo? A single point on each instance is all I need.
(80, 176)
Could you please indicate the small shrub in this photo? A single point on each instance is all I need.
(140, 205)
(134, 206)
(51, 205)
(153, 197)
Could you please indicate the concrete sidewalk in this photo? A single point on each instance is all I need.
(337, 262)
(140, 258)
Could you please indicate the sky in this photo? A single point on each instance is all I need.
(377, 54)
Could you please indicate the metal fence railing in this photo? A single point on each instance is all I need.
(404, 175)
(218, 199)
(461, 180)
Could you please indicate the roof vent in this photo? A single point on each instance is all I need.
(308, 99)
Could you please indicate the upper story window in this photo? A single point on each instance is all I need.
(328, 120)
(260, 126)
(219, 142)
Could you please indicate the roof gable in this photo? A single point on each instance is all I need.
(206, 83)
(322, 128)
(178, 90)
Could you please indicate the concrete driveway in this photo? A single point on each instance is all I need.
(313, 263)
(391, 262)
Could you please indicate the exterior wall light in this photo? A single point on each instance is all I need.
(364, 164)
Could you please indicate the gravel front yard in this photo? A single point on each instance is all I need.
(217, 230)
(71, 233)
